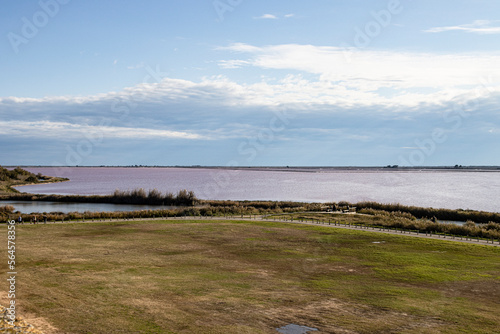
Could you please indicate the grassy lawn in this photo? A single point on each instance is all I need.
(251, 277)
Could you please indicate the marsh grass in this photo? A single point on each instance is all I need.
(136, 196)
(251, 277)
(480, 217)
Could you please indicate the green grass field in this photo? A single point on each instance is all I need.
(251, 277)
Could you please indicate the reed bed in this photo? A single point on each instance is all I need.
(136, 196)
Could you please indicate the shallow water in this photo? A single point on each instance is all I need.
(428, 188)
(295, 329)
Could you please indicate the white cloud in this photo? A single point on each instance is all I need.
(48, 129)
(482, 27)
(267, 16)
(167, 100)
(228, 113)
(232, 64)
(273, 17)
(359, 75)
(324, 82)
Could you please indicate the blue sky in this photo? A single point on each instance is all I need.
(240, 82)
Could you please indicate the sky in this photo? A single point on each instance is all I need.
(250, 83)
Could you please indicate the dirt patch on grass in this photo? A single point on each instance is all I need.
(39, 323)
(337, 316)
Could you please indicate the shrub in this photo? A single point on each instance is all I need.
(480, 217)
(32, 179)
(7, 209)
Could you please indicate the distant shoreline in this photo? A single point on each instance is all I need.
(306, 169)
(42, 182)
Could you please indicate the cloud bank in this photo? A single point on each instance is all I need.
(353, 104)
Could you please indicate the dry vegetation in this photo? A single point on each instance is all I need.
(281, 210)
(401, 221)
(480, 217)
(136, 196)
(251, 277)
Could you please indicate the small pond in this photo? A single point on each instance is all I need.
(42, 206)
(454, 222)
(295, 329)
(451, 222)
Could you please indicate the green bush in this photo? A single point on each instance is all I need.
(32, 179)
